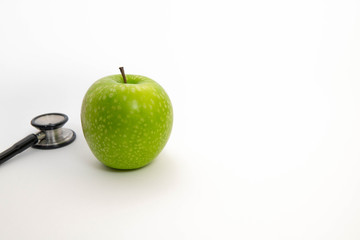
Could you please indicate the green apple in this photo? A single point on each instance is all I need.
(126, 120)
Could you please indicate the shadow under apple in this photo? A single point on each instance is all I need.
(159, 176)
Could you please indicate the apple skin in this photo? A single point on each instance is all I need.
(126, 125)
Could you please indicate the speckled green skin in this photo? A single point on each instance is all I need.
(126, 125)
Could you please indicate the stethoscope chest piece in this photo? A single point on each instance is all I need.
(52, 135)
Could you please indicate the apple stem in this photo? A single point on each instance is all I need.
(123, 74)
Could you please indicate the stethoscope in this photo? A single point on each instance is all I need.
(52, 135)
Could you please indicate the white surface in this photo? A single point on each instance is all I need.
(266, 136)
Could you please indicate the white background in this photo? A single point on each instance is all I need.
(266, 136)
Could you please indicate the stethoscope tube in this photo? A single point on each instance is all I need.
(20, 146)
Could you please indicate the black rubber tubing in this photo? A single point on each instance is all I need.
(18, 147)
